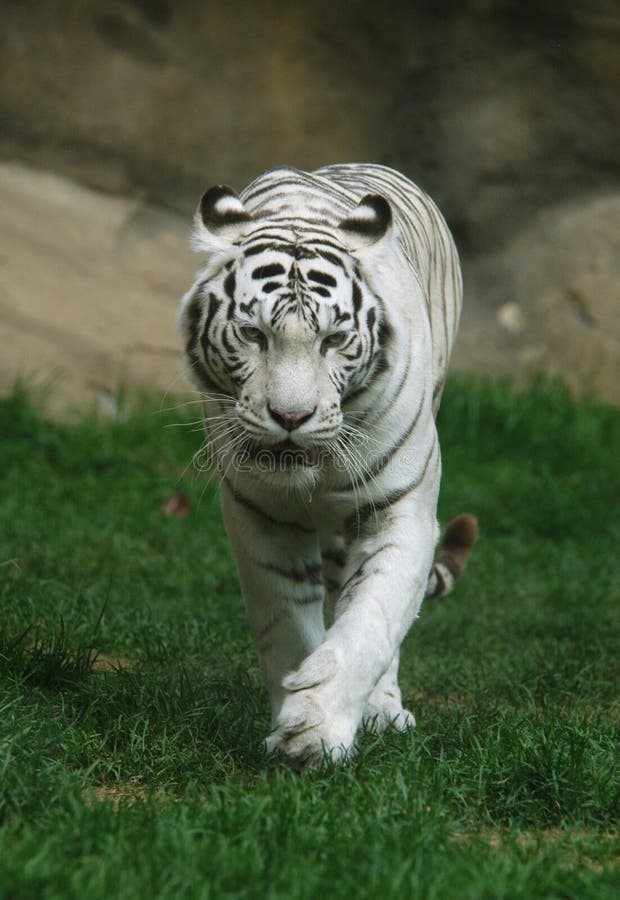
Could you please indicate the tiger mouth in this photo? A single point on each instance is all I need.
(284, 456)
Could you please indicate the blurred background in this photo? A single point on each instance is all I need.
(115, 116)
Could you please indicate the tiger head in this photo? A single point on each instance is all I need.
(284, 326)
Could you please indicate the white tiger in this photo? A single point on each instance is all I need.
(318, 332)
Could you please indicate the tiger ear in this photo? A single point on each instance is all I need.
(219, 220)
(370, 221)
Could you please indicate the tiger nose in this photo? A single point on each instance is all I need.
(291, 418)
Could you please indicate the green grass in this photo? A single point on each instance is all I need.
(147, 778)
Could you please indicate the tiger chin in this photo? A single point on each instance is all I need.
(318, 333)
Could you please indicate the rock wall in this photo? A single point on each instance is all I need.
(507, 112)
(89, 290)
(549, 300)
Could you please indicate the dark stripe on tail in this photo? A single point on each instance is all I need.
(459, 538)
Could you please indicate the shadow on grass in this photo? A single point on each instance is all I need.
(146, 719)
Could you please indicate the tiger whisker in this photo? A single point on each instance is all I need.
(193, 423)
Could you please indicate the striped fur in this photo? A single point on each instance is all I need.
(318, 332)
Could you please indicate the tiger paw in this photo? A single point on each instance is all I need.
(315, 722)
(304, 735)
(383, 712)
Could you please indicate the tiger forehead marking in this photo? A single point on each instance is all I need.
(318, 333)
(313, 288)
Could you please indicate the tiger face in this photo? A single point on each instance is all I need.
(289, 330)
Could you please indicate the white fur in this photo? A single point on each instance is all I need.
(327, 677)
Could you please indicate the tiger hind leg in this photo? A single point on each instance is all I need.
(384, 708)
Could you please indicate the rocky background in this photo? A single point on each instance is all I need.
(114, 116)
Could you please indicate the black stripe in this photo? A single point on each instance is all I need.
(360, 573)
(383, 460)
(371, 317)
(230, 283)
(291, 179)
(385, 333)
(339, 315)
(338, 557)
(268, 271)
(332, 258)
(307, 599)
(247, 307)
(377, 367)
(440, 587)
(276, 232)
(355, 355)
(308, 250)
(356, 298)
(230, 349)
(312, 573)
(322, 278)
(360, 518)
(387, 409)
(258, 248)
(193, 315)
(327, 250)
(403, 438)
(214, 305)
(301, 251)
(253, 507)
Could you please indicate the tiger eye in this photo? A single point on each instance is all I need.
(254, 336)
(334, 341)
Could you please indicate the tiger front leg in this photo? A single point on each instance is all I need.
(279, 569)
(328, 696)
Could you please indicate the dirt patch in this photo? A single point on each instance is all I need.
(420, 699)
(110, 662)
(126, 793)
(580, 846)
